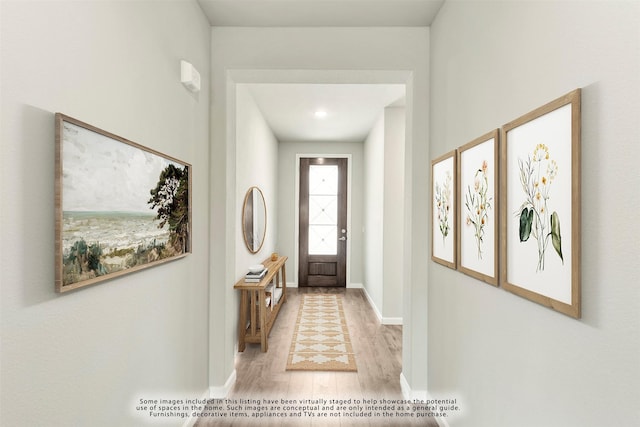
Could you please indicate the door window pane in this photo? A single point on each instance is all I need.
(323, 209)
(323, 240)
(323, 180)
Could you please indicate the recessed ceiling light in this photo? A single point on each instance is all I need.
(320, 114)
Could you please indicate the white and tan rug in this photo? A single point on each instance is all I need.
(321, 339)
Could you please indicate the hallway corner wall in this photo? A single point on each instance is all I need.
(373, 248)
(394, 194)
(384, 214)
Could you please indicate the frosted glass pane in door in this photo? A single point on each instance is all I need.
(323, 209)
(323, 180)
(323, 239)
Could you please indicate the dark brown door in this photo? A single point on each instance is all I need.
(323, 222)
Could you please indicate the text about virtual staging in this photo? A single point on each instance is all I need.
(311, 408)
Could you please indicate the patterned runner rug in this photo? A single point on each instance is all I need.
(321, 339)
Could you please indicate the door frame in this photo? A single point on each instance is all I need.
(222, 216)
(296, 239)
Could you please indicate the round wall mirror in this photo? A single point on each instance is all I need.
(254, 219)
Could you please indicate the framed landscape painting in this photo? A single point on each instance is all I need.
(478, 214)
(443, 210)
(120, 207)
(540, 205)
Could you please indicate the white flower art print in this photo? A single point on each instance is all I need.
(542, 195)
(477, 246)
(541, 212)
(443, 237)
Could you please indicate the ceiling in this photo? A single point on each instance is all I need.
(352, 109)
(321, 13)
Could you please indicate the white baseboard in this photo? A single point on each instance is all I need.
(392, 320)
(409, 394)
(405, 387)
(381, 319)
(222, 392)
(214, 393)
(372, 304)
(191, 421)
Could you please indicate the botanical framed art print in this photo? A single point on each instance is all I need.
(120, 207)
(540, 205)
(478, 215)
(443, 210)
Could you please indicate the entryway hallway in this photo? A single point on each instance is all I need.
(378, 352)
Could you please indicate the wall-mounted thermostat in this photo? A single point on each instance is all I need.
(189, 76)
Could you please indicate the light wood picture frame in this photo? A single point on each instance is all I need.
(477, 230)
(443, 209)
(540, 202)
(120, 207)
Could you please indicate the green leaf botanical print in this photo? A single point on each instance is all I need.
(537, 173)
(556, 240)
(526, 220)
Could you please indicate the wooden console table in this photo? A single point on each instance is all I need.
(254, 307)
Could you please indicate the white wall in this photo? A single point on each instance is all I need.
(287, 189)
(393, 253)
(320, 55)
(257, 165)
(513, 362)
(84, 357)
(374, 217)
(383, 214)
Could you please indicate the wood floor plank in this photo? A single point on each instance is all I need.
(378, 351)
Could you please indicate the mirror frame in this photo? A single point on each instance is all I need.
(244, 226)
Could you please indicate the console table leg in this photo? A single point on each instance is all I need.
(242, 327)
(263, 321)
(284, 283)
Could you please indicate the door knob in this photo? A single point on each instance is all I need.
(343, 238)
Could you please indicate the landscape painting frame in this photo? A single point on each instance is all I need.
(478, 212)
(444, 206)
(120, 207)
(540, 205)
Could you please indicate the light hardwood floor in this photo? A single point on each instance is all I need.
(378, 351)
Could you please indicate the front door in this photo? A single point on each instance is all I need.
(323, 222)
